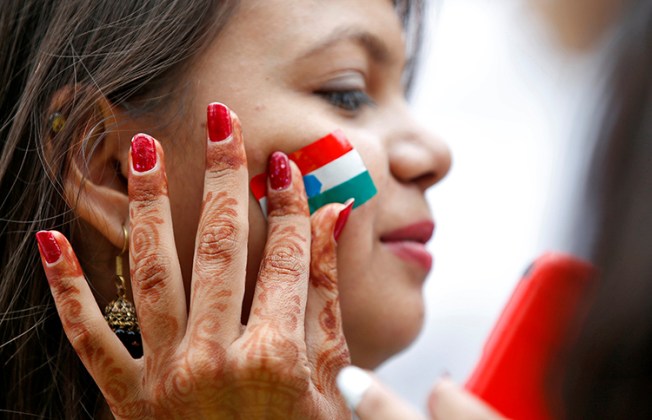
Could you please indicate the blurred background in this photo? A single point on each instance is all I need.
(511, 86)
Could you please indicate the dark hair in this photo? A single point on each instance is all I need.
(608, 373)
(128, 52)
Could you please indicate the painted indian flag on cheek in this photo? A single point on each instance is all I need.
(332, 170)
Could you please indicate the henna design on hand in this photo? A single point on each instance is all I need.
(217, 241)
(282, 365)
(284, 256)
(331, 352)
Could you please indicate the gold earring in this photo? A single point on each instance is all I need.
(121, 313)
(56, 121)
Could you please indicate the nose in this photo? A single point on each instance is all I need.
(417, 156)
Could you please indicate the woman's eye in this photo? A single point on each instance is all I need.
(348, 100)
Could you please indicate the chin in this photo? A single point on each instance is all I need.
(382, 301)
(400, 336)
(385, 335)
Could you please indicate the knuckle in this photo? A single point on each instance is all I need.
(63, 288)
(151, 271)
(82, 339)
(296, 378)
(288, 206)
(275, 371)
(273, 357)
(219, 239)
(323, 272)
(206, 373)
(221, 171)
(325, 215)
(341, 357)
(144, 195)
(283, 261)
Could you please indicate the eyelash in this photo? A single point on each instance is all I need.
(348, 100)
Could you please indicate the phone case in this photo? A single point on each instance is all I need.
(511, 373)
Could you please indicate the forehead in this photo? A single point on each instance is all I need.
(289, 27)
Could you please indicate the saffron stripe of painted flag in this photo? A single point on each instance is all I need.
(361, 188)
(258, 186)
(321, 152)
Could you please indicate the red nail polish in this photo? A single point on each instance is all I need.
(342, 219)
(280, 172)
(219, 122)
(143, 152)
(48, 246)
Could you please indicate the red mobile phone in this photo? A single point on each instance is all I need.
(533, 326)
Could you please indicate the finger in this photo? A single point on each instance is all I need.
(221, 244)
(448, 401)
(370, 399)
(155, 274)
(101, 352)
(281, 291)
(327, 349)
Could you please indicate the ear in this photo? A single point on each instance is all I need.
(95, 184)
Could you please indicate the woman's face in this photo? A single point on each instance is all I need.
(293, 72)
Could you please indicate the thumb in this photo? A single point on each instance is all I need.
(370, 399)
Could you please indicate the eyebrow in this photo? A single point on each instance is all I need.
(375, 47)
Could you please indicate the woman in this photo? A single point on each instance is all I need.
(606, 370)
(81, 80)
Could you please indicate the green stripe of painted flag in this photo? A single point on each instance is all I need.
(361, 187)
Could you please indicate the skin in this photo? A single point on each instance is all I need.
(446, 401)
(578, 25)
(204, 364)
(258, 66)
(195, 226)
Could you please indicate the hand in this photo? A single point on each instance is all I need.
(370, 399)
(202, 363)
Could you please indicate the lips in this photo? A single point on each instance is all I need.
(420, 232)
(409, 243)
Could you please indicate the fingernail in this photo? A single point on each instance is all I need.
(353, 382)
(343, 218)
(48, 246)
(219, 123)
(280, 173)
(143, 152)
